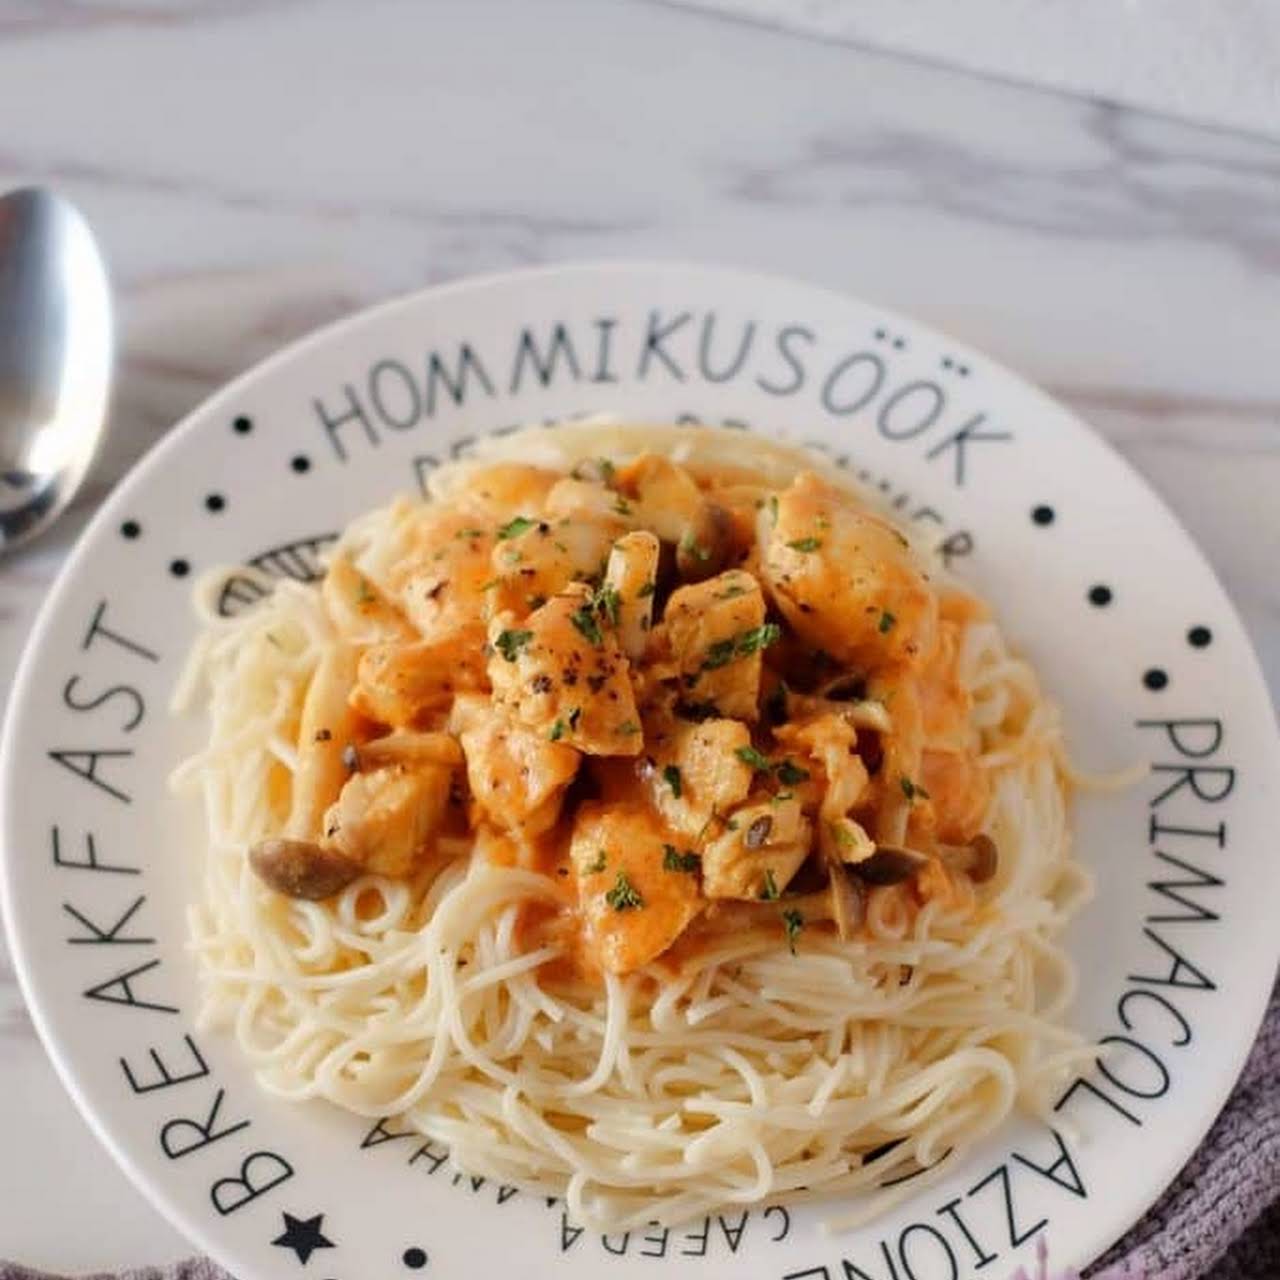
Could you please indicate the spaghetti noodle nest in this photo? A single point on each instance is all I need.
(776, 919)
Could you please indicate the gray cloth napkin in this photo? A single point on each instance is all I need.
(1220, 1219)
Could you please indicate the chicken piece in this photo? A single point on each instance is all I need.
(631, 579)
(827, 740)
(439, 583)
(662, 495)
(386, 819)
(845, 579)
(517, 777)
(326, 726)
(698, 772)
(501, 490)
(561, 673)
(360, 612)
(758, 851)
(716, 631)
(582, 499)
(533, 559)
(399, 684)
(636, 899)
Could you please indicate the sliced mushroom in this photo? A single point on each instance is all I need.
(632, 574)
(890, 864)
(327, 725)
(979, 859)
(848, 897)
(301, 869)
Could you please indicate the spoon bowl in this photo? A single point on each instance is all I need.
(56, 348)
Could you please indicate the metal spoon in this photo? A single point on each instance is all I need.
(56, 346)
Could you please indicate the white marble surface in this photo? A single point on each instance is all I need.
(258, 168)
(1207, 63)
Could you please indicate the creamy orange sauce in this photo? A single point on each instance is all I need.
(691, 698)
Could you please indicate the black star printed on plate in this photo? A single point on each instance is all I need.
(303, 1236)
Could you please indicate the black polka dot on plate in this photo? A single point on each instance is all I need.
(179, 568)
(130, 529)
(242, 425)
(1155, 678)
(1199, 637)
(1043, 515)
(415, 1259)
(301, 463)
(1100, 595)
(215, 502)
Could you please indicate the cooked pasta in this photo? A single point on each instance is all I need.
(647, 819)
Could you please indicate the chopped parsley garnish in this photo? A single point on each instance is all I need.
(509, 643)
(597, 866)
(671, 776)
(805, 544)
(731, 592)
(557, 731)
(758, 638)
(913, 789)
(749, 755)
(773, 507)
(607, 469)
(469, 533)
(647, 590)
(886, 622)
(514, 528)
(606, 601)
(722, 652)
(622, 506)
(493, 582)
(841, 835)
(770, 891)
(585, 621)
(789, 773)
(719, 654)
(674, 860)
(623, 895)
(628, 727)
(792, 922)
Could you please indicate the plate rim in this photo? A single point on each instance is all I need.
(187, 1223)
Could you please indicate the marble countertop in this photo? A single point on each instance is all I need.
(257, 169)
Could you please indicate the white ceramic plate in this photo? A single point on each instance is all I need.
(1091, 574)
